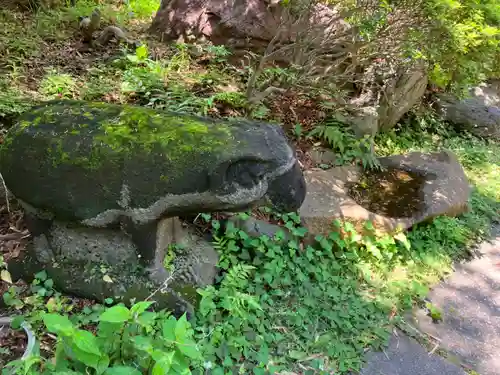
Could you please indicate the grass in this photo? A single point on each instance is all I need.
(280, 307)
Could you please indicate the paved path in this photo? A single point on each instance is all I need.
(470, 331)
(405, 356)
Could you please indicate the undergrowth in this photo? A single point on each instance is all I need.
(281, 305)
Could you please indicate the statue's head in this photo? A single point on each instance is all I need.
(265, 171)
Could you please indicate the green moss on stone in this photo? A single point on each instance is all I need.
(116, 131)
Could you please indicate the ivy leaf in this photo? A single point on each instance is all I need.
(122, 370)
(86, 342)
(115, 314)
(58, 324)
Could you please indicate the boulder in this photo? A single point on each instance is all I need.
(100, 263)
(240, 24)
(479, 113)
(410, 189)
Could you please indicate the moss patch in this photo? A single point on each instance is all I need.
(86, 134)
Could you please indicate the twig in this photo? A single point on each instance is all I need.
(433, 350)
(6, 193)
(14, 236)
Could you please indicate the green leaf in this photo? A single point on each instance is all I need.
(189, 349)
(115, 314)
(88, 359)
(49, 283)
(163, 365)
(17, 321)
(141, 52)
(102, 364)
(147, 318)
(86, 342)
(58, 324)
(42, 275)
(140, 307)
(298, 355)
(169, 329)
(182, 328)
(122, 370)
(143, 343)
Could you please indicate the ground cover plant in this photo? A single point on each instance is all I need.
(281, 305)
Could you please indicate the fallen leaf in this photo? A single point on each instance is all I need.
(107, 279)
(5, 276)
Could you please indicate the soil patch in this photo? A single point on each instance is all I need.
(392, 193)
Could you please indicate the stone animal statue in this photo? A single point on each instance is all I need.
(105, 165)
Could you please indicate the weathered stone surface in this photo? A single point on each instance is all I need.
(96, 163)
(256, 228)
(238, 24)
(78, 259)
(444, 190)
(469, 301)
(479, 113)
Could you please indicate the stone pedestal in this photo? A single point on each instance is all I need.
(101, 263)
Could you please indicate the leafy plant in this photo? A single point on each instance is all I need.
(128, 341)
(220, 53)
(347, 146)
(58, 85)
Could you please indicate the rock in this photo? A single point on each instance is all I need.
(435, 182)
(400, 95)
(99, 263)
(104, 165)
(239, 25)
(478, 114)
(256, 228)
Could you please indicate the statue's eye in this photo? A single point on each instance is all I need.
(245, 173)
